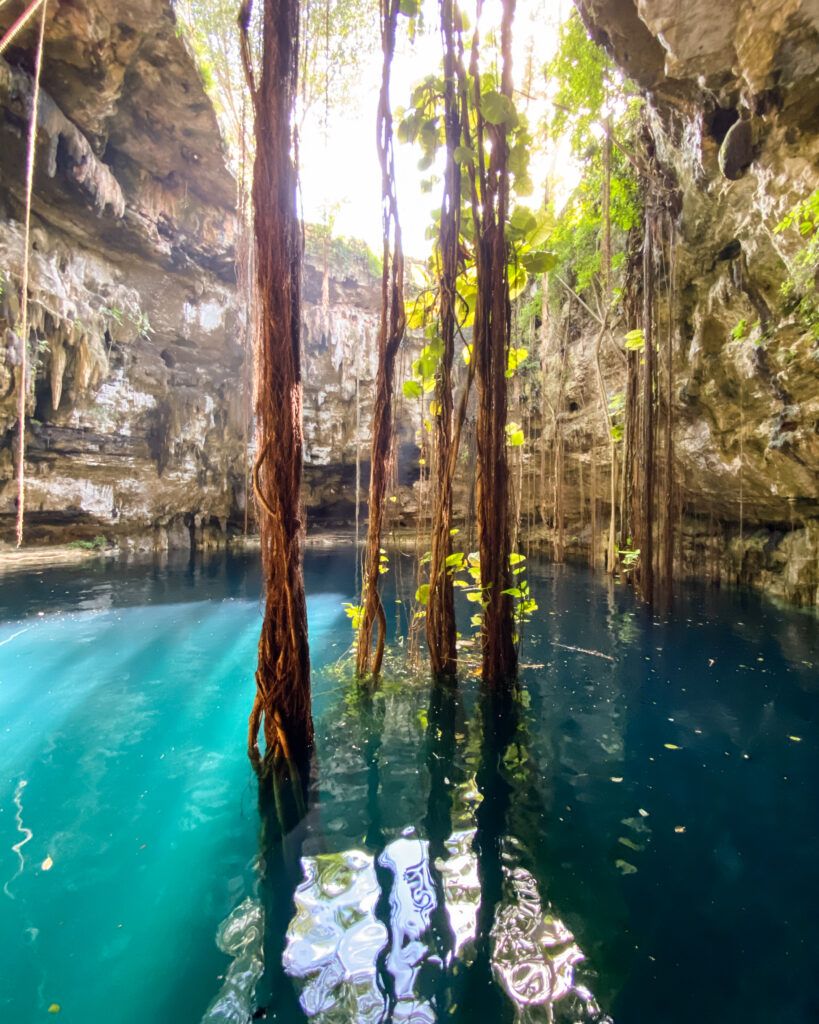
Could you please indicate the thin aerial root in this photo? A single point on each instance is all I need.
(255, 722)
(32, 148)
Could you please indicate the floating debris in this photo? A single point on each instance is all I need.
(47, 864)
(625, 868)
(583, 650)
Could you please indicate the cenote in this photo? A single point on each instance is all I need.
(635, 833)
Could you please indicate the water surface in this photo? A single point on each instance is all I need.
(635, 839)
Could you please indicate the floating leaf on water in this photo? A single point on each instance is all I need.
(642, 813)
(625, 868)
(616, 778)
(671, 746)
(679, 829)
(54, 1008)
(630, 844)
(637, 824)
(795, 739)
(47, 865)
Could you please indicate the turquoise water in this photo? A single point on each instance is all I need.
(638, 841)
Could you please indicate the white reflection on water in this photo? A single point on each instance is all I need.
(534, 953)
(240, 936)
(335, 939)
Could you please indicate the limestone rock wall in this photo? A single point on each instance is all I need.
(138, 395)
(734, 108)
(135, 426)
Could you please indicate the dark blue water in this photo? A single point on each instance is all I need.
(636, 838)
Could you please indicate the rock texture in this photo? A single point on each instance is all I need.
(136, 420)
(139, 395)
(734, 109)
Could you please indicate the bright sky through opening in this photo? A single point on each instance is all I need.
(340, 174)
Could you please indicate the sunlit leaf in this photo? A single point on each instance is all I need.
(412, 389)
(498, 109)
(635, 340)
(539, 262)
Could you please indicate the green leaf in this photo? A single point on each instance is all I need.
(412, 389)
(409, 8)
(428, 363)
(539, 262)
(464, 155)
(516, 557)
(523, 220)
(636, 340)
(514, 435)
(512, 591)
(422, 593)
(498, 109)
(475, 596)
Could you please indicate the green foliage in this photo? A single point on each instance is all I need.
(355, 613)
(100, 541)
(582, 73)
(343, 254)
(422, 124)
(514, 435)
(617, 408)
(799, 291)
(635, 340)
(139, 320)
(589, 89)
(740, 330)
(629, 557)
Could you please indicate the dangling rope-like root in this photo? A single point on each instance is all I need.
(32, 146)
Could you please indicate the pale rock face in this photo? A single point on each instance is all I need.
(746, 406)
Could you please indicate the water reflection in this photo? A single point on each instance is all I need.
(334, 938)
(419, 928)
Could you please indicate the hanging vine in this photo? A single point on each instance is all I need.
(391, 332)
(32, 148)
(282, 702)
